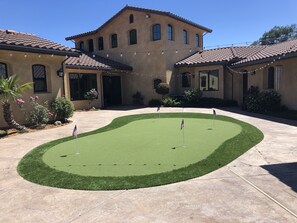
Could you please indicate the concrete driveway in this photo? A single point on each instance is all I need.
(259, 186)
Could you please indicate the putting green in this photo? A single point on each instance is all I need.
(142, 147)
(140, 151)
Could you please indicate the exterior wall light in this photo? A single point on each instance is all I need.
(60, 73)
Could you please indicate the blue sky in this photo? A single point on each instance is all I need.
(232, 21)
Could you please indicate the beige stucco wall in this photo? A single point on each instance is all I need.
(22, 66)
(84, 104)
(148, 63)
(195, 80)
(287, 84)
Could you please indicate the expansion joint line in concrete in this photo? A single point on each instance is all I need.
(264, 193)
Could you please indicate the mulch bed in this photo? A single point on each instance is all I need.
(10, 132)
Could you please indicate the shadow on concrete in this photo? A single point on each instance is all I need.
(285, 172)
(238, 110)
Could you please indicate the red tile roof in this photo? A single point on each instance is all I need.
(276, 51)
(94, 62)
(12, 40)
(241, 55)
(151, 11)
(220, 55)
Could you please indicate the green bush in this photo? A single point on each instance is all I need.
(192, 96)
(170, 102)
(155, 103)
(137, 98)
(162, 89)
(39, 114)
(262, 102)
(62, 108)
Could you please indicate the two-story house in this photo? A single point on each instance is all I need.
(148, 41)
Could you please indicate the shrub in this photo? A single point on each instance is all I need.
(137, 98)
(262, 102)
(192, 96)
(62, 108)
(154, 103)
(39, 114)
(162, 89)
(170, 102)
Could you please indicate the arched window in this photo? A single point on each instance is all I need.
(3, 70)
(197, 40)
(170, 32)
(133, 37)
(39, 78)
(186, 80)
(81, 45)
(185, 33)
(156, 31)
(271, 78)
(131, 18)
(91, 45)
(114, 41)
(157, 82)
(100, 43)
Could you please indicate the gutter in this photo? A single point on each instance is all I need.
(265, 60)
(38, 50)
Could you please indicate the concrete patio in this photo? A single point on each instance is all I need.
(259, 186)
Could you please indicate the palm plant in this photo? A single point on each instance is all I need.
(10, 89)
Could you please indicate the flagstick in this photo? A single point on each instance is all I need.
(77, 149)
(213, 121)
(184, 136)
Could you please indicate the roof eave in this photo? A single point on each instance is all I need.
(141, 10)
(265, 60)
(38, 50)
(222, 63)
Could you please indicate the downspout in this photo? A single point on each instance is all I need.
(63, 81)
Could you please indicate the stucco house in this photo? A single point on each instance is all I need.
(149, 41)
(36, 60)
(229, 72)
(137, 49)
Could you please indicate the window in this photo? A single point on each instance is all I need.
(197, 40)
(271, 78)
(100, 43)
(3, 70)
(80, 84)
(279, 72)
(133, 36)
(131, 18)
(39, 78)
(156, 30)
(185, 37)
(91, 45)
(209, 80)
(170, 32)
(114, 41)
(186, 80)
(81, 45)
(157, 82)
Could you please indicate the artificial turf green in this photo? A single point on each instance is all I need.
(140, 151)
(141, 147)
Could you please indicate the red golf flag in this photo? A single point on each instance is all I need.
(182, 125)
(74, 133)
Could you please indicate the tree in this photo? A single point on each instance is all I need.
(277, 34)
(10, 89)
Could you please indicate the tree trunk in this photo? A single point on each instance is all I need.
(8, 117)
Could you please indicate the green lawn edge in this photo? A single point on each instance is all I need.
(32, 168)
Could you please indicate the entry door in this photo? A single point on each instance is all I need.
(112, 91)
